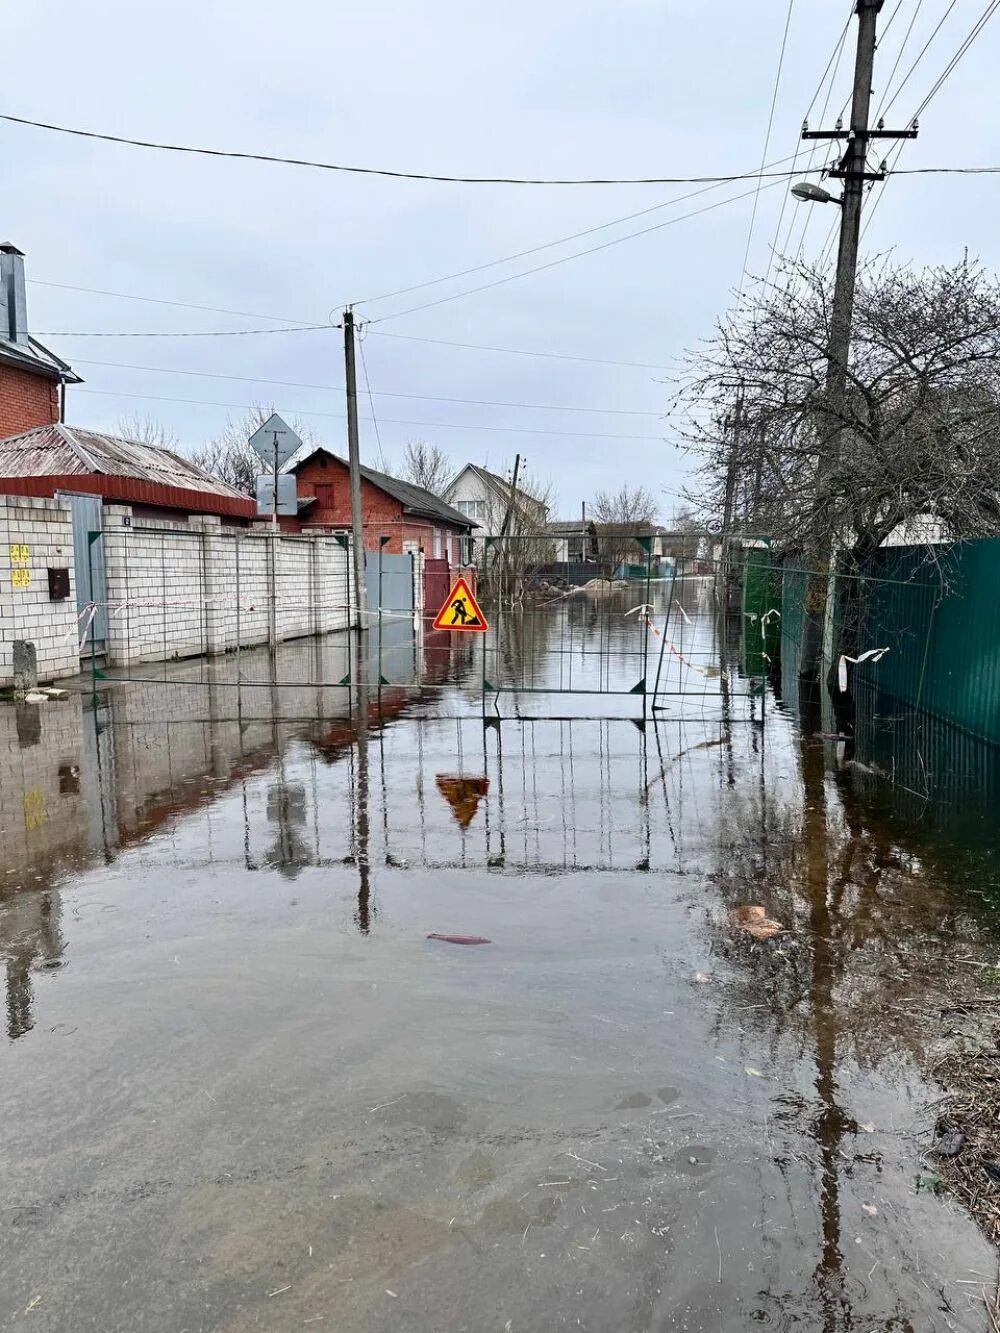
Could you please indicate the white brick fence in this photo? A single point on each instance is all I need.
(174, 589)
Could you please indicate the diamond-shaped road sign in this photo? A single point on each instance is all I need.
(274, 432)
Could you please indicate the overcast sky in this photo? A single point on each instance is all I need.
(562, 88)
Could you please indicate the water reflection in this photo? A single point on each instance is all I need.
(396, 797)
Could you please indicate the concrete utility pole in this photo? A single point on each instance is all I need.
(853, 171)
(354, 463)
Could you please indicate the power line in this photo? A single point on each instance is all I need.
(977, 28)
(767, 142)
(159, 300)
(899, 53)
(371, 402)
(578, 254)
(393, 421)
(832, 68)
(984, 18)
(517, 351)
(378, 393)
(401, 291)
(374, 171)
(565, 240)
(923, 51)
(189, 333)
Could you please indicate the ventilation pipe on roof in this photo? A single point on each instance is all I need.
(13, 303)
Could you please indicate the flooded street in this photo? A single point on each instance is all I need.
(240, 1087)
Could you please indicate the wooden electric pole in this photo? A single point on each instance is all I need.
(354, 464)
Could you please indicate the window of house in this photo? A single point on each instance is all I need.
(471, 508)
(574, 548)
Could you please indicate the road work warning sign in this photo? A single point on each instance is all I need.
(461, 610)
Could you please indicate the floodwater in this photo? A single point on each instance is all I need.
(241, 1089)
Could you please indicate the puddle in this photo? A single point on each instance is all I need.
(241, 1103)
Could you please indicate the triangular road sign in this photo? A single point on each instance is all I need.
(461, 611)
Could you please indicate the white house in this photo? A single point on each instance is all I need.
(485, 497)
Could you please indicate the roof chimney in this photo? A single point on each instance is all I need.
(13, 304)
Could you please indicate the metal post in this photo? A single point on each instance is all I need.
(354, 463)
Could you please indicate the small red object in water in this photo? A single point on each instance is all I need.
(461, 939)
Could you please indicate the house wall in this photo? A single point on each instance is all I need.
(26, 400)
(381, 514)
(41, 533)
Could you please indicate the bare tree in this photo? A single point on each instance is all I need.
(915, 445)
(619, 516)
(427, 465)
(229, 457)
(142, 429)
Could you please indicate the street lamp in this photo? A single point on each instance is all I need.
(813, 194)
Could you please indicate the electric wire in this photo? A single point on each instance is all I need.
(371, 402)
(516, 351)
(372, 171)
(563, 240)
(923, 51)
(394, 421)
(578, 254)
(767, 145)
(832, 69)
(378, 393)
(964, 46)
(160, 300)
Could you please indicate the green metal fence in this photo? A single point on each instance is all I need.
(941, 623)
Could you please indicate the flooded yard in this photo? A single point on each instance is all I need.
(241, 1088)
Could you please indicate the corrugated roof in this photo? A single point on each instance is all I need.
(60, 451)
(414, 499)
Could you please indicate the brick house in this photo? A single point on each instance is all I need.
(410, 518)
(32, 379)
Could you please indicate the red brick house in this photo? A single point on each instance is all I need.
(32, 378)
(411, 518)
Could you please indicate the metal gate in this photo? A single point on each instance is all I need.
(88, 561)
(650, 623)
(389, 582)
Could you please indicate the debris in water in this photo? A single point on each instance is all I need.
(461, 939)
(755, 921)
(870, 1209)
(949, 1144)
(754, 1073)
(701, 978)
(867, 1127)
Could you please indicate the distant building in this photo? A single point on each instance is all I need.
(32, 378)
(485, 497)
(410, 518)
(574, 541)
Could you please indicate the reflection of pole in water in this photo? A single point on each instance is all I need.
(362, 822)
(829, 1122)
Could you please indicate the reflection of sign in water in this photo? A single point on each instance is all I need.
(461, 610)
(463, 795)
(35, 815)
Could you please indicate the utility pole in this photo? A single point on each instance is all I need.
(852, 169)
(354, 463)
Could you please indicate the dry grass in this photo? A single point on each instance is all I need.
(973, 1108)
